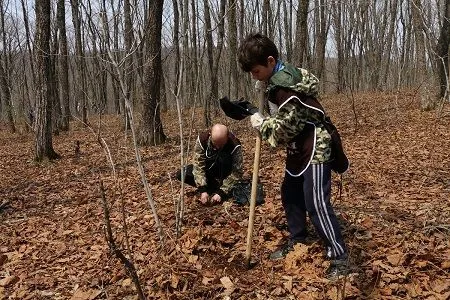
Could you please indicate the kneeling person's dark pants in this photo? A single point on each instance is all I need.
(310, 193)
(213, 183)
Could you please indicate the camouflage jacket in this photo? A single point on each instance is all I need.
(225, 164)
(296, 119)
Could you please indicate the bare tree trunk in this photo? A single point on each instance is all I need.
(114, 83)
(152, 130)
(423, 74)
(321, 40)
(443, 53)
(53, 79)
(43, 138)
(387, 60)
(287, 21)
(80, 77)
(176, 44)
(129, 40)
(4, 78)
(63, 66)
(194, 56)
(301, 36)
(213, 62)
(28, 39)
(6, 96)
(210, 54)
(187, 87)
(337, 16)
(232, 44)
(267, 19)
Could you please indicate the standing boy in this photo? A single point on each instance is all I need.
(296, 122)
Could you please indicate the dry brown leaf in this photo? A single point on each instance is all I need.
(445, 264)
(395, 259)
(9, 280)
(288, 283)
(174, 280)
(207, 280)
(126, 282)
(367, 223)
(440, 286)
(227, 283)
(85, 295)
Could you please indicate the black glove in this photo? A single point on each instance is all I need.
(237, 110)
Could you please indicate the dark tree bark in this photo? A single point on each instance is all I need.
(213, 62)
(443, 51)
(176, 44)
(337, 18)
(322, 33)
(63, 70)
(423, 74)
(4, 78)
(301, 36)
(6, 96)
(43, 123)
(129, 39)
(80, 81)
(232, 43)
(152, 131)
(53, 79)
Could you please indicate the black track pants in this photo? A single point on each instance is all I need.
(310, 193)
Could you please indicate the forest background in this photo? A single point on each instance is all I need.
(113, 93)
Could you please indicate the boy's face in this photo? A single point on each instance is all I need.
(263, 73)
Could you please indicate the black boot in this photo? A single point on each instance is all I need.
(285, 249)
(338, 267)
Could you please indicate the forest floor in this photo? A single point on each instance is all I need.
(394, 209)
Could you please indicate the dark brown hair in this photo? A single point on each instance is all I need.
(254, 50)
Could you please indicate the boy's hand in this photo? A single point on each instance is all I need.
(260, 85)
(204, 198)
(256, 119)
(216, 198)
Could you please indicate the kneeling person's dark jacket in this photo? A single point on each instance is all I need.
(216, 170)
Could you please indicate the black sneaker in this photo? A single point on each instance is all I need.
(284, 250)
(338, 267)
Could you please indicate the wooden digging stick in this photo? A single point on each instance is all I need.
(251, 216)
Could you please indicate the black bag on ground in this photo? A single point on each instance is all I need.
(340, 162)
(242, 192)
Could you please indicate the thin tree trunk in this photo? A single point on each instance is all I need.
(6, 96)
(176, 44)
(213, 61)
(63, 74)
(443, 53)
(232, 44)
(322, 32)
(53, 79)
(301, 36)
(80, 77)
(4, 78)
(129, 70)
(337, 11)
(423, 75)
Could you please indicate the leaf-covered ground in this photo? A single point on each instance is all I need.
(393, 206)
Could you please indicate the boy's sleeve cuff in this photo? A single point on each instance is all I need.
(202, 189)
(222, 194)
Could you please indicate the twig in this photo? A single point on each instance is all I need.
(129, 266)
(4, 204)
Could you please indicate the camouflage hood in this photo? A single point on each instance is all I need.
(296, 79)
